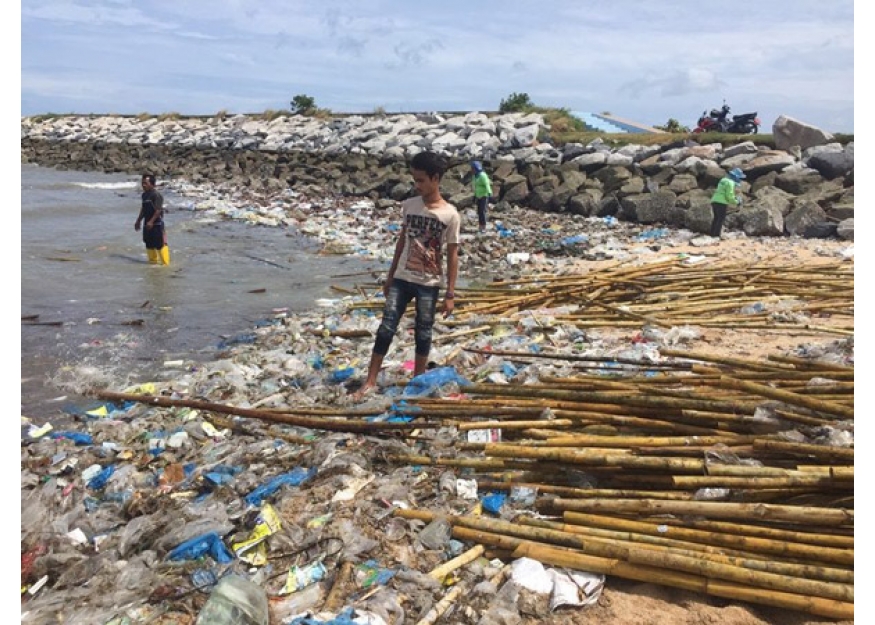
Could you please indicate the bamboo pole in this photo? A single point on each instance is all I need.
(722, 481)
(610, 459)
(734, 557)
(347, 425)
(783, 548)
(515, 425)
(821, 452)
(335, 597)
(790, 398)
(661, 575)
(582, 493)
(440, 608)
(812, 605)
(662, 403)
(440, 572)
(821, 538)
(801, 515)
(747, 577)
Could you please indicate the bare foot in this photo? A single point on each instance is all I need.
(366, 389)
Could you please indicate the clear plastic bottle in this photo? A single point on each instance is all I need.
(235, 601)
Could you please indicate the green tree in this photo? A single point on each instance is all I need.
(516, 102)
(673, 125)
(303, 104)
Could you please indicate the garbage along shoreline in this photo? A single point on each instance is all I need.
(804, 186)
(463, 495)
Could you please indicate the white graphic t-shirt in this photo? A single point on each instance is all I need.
(428, 233)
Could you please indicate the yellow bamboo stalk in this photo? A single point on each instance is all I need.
(611, 458)
(723, 481)
(821, 538)
(801, 515)
(741, 575)
(516, 425)
(441, 571)
(666, 577)
(823, 452)
(786, 549)
(790, 398)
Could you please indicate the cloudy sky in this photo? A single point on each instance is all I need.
(645, 61)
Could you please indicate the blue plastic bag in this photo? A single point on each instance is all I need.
(296, 477)
(80, 438)
(426, 383)
(208, 544)
(340, 375)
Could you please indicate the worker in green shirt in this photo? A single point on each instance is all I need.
(724, 197)
(482, 192)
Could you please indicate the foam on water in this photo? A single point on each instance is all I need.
(108, 185)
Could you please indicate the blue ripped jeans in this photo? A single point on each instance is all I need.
(400, 294)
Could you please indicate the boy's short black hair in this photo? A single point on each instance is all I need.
(150, 178)
(429, 162)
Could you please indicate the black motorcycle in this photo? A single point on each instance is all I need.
(718, 120)
(746, 124)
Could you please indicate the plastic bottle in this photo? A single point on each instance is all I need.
(235, 601)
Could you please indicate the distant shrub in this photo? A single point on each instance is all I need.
(673, 125)
(379, 111)
(143, 117)
(271, 114)
(172, 115)
(303, 104)
(516, 102)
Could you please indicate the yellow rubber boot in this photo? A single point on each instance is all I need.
(164, 254)
(152, 256)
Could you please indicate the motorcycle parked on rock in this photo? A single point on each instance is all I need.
(718, 120)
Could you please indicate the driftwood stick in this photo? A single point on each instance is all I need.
(314, 423)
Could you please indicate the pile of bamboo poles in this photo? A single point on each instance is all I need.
(671, 293)
(682, 478)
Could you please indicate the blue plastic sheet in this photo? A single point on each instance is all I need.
(576, 239)
(502, 231)
(240, 339)
(492, 503)
(296, 477)
(99, 481)
(656, 233)
(208, 544)
(221, 474)
(344, 618)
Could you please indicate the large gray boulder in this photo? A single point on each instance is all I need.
(806, 213)
(789, 132)
(832, 165)
(763, 221)
(774, 198)
(846, 229)
(648, 208)
(698, 216)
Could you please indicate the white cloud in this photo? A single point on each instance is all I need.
(636, 59)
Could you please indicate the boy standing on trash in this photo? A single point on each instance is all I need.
(724, 197)
(482, 192)
(152, 216)
(429, 224)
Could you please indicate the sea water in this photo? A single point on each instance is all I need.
(92, 306)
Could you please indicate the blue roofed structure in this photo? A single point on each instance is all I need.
(601, 122)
